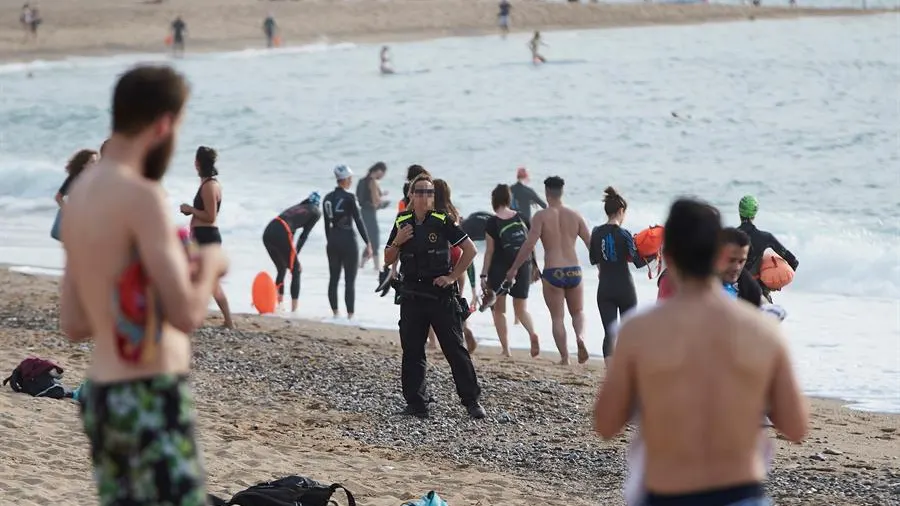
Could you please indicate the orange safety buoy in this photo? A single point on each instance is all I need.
(169, 40)
(264, 294)
(774, 271)
(649, 241)
(276, 41)
(401, 206)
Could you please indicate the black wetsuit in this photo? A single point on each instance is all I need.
(759, 242)
(178, 28)
(612, 247)
(277, 240)
(523, 197)
(368, 211)
(269, 29)
(206, 234)
(341, 211)
(508, 235)
(474, 225)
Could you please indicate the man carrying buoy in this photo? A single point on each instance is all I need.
(179, 27)
(760, 241)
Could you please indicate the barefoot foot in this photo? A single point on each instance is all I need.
(582, 353)
(535, 345)
(471, 344)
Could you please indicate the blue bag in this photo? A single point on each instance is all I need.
(54, 231)
(429, 499)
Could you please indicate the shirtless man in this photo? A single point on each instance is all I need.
(704, 370)
(558, 227)
(138, 411)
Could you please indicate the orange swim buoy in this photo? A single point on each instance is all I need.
(276, 41)
(649, 241)
(264, 293)
(401, 206)
(168, 40)
(774, 271)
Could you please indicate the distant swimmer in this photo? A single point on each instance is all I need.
(558, 227)
(369, 194)
(270, 28)
(204, 214)
(341, 212)
(179, 28)
(278, 240)
(503, 17)
(523, 196)
(533, 45)
(386, 61)
(612, 249)
(760, 241)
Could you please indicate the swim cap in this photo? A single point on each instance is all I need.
(748, 207)
(342, 172)
(522, 173)
(314, 198)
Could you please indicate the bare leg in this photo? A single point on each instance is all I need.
(520, 307)
(222, 302)
(499, 314)
(555, 300)
(294, 304)
(575, 302)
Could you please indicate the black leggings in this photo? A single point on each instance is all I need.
(280, 249)
(343, 253)
(612, 304)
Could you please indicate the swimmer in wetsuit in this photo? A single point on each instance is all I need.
(612, 248)
(533, 45)
(558, 227)
(341, 211)
(205, 212)
(179, 27)
(386, 61)
(760, 241)
(278, 240)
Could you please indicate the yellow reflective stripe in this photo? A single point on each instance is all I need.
(403, 217)
(442, 217)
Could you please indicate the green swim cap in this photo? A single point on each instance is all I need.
(748, 207)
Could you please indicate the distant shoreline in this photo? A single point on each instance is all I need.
(96, 28)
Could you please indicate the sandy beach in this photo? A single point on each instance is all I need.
(102, 27)
(282, 397)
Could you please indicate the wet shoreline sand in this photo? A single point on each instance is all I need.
(278, 397)
(108, 27)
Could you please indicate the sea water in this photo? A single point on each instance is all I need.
(800, 113)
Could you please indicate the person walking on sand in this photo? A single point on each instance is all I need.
(503, 17)
(505, 233)
(204, 214)
(269, 28)
(179, 28)
(137, 408)
(558, 228)
(704, 371)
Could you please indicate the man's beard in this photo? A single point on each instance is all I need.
(157, 160)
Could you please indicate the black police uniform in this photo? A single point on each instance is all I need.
(423, 258)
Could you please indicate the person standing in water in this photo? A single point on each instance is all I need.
(523, 196)
(505, 233)
(278, 239)
(137, 408)
(205, 212)
(612, 248)
(760, 241)
(558, 228)
(369, 194)
(269, 28)
(341, 211)
(703, 371)
(533, 45)
(386, 61)
(76, 165)
(179, 28)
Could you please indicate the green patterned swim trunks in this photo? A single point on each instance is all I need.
(142, 442)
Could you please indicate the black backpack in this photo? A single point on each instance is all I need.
(35, 376)
(290, 491)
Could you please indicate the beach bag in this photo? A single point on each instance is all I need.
(429, 499)
(54, 230)
(38, 377)
(290, 491)
(649, 241)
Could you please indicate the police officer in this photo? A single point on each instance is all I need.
(429, 297)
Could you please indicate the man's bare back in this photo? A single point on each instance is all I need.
(559, 227)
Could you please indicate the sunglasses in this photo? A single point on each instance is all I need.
(423, 191)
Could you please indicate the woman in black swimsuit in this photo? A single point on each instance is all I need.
(205, 212)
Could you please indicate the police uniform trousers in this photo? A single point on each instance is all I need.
(442, 312)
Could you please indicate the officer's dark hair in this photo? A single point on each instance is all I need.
(554, 186)
(501, 196)
(736, 236)
(443, 200)
(613, 202)
(693, 233)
